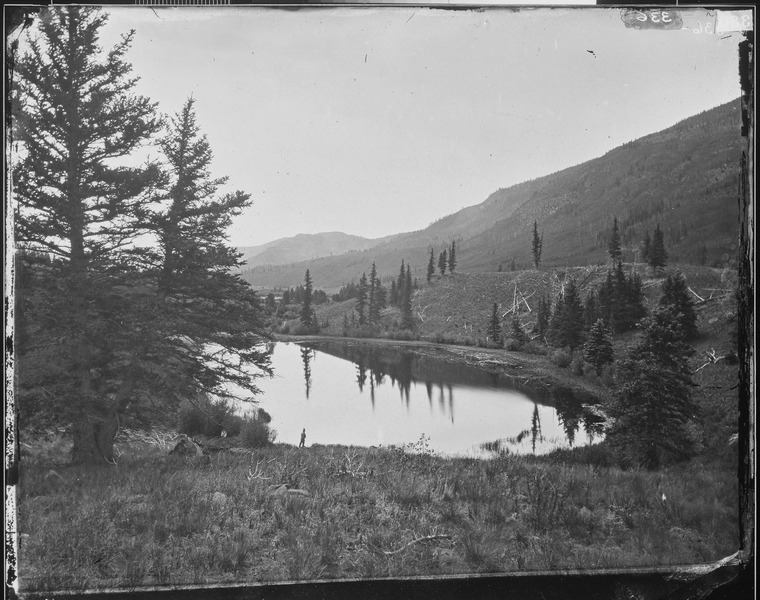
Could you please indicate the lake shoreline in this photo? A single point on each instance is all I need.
(533, 369)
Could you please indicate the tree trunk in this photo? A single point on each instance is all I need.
(94, 435)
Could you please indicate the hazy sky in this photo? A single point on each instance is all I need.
(374, 121)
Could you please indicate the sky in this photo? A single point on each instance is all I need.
(374, 121)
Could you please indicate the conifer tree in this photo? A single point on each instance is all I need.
(372, 309)
(613, 249)
(394, 293)
(675, 294)
(654, 407)
(494, 326)
(538, 243)
(430, 267)
(308, 317)
(518, 333)
(452, 257)
(658, 257)
(598, 349)
(361, 300)
(646, 248)
(407, 318)
(543, 314)
(117, 322)
(566, 325)
(400, 283)
(442, 262)
(376, 299)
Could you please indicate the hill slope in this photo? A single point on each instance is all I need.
(305, 247)
(685, 177)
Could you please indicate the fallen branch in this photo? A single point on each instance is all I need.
(700, 298)
(426, 538)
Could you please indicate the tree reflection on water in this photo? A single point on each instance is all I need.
(376, 363)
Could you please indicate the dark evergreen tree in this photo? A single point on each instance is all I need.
(543, 314)
(308, 317)
(493, 331)
(566, 325)
(675, 294)
(96, 313)
(646, 248)
(286, 297)
(606, 300)
(442, 262)
(452, 257)
(371, 307)
(361, 300)
(654, 408)
(407, 317)
(518, 333)
(394, 293)
(538, 243)
(431, 267)
(613, 248)
(500, 269)
(658, 257)
(374, 297)
(400, 283)
(598, 349)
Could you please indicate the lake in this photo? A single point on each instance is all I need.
(365, 394)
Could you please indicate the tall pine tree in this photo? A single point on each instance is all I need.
(431, 267)
(675, 294)
(308, 317)
(566, 325)
(452, 257)
(657, 257)
(493, 331)
(613, 248)
(537, 246)
(654, 406)
(598, 349)
(442, 262)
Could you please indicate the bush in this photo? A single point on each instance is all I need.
(208, 417)
(561, 357)
(256, 432)
(513, 345)
(534, 347)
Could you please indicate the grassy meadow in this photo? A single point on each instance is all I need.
(160, 519)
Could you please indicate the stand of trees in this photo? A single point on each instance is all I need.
(106, 324)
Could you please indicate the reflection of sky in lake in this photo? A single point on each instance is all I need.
(322, 393)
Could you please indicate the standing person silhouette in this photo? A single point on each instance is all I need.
(303, 439)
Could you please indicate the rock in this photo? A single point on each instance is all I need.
(186, 447)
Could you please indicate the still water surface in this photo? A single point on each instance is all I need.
(362, 394)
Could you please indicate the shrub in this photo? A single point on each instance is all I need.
(513, 345)
(561, 357)
(256, 432)
(208, 417)
(534, 347)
